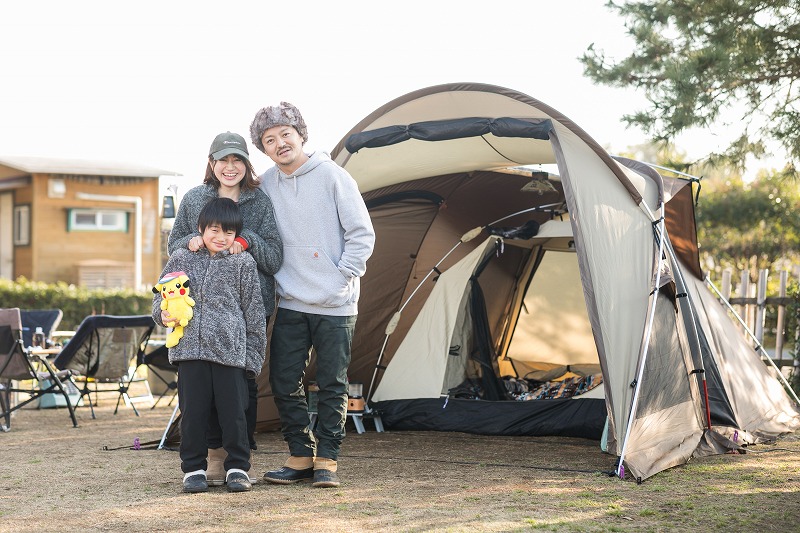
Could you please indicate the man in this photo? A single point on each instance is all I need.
(327, 238)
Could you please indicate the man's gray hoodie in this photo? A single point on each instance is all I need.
(327, 236)
(229, 324)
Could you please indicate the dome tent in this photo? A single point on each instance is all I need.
(438, 162)
(441, 162)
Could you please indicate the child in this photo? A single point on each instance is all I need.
(223, 344)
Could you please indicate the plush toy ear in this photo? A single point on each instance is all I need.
(155, 290)
(186, 284)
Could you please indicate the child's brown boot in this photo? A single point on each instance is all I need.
(252, 474)
(215, 473)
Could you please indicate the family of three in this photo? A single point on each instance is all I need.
(295, 243)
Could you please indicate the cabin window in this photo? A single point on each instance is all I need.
(22, 225)
(97, 220)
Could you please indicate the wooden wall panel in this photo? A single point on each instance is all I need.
(56, 251)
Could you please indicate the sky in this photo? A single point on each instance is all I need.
(152, 83)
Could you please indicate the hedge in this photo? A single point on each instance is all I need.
(75, 302)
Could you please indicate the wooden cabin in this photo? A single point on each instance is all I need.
(90, 223)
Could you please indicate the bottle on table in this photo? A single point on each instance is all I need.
(38, 338)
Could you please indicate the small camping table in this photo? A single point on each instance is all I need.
(358, 420)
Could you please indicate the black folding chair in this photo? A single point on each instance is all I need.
(103, 350)
(158, 365)
(24, 372)
(47, 319)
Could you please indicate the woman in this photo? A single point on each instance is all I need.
(230, 174)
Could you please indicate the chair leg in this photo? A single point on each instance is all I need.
(155, 404)
(170, 386)
(5, 405)
(62, 389)
(123, 393)
(88, 393)
(66, 399)
(173, 386)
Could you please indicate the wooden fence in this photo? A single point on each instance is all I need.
(751, 303)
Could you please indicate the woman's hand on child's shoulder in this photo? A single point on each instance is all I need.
(236, 248)
(195, 243)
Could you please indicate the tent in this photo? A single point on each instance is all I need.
(463, 297)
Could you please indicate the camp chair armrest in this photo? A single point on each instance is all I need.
(60, 374)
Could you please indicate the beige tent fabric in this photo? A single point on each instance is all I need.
(614, 241)
(420, 361)
(553, 325)
(762, 408)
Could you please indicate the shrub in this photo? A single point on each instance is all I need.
(75, 302)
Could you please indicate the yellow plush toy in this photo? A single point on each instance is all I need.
(174, 289)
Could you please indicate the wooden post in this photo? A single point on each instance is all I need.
(796, 356)
(726, 284)
(779, 326)
(761, 306)
(744, 292)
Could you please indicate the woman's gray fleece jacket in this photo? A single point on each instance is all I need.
(259, 230)
(229, 326)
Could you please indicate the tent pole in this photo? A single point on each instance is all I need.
(759, 347)
(396, 317)
(537, 208)
(678, 172)
(646, 340)
(375, 372)
(169, 425)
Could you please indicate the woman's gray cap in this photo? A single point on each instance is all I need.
(284, 114)
(226, 144)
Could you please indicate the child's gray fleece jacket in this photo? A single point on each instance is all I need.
(229, 324)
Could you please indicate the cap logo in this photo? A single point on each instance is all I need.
(231, 142)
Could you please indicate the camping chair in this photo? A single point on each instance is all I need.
(23, 372)
(103, 350)
(47, 319)
(158, 365)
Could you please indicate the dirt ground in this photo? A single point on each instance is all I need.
(57, 478)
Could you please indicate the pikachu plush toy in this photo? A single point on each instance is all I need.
(174, 289)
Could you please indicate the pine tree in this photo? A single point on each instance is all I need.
(697, 60)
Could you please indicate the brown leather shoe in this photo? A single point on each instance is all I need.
(286, 476)
(325, 479)
(252, 474)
